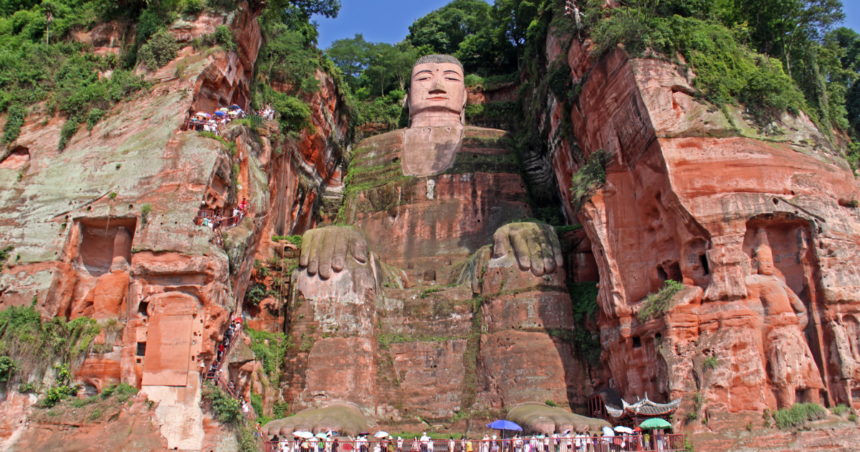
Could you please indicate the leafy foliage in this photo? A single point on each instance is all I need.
(590, 177)
(270, 349)
(145, 210)
(446, 28)
(14, 121)
(257, 293)
(294, 239)
(225, 408)
(840, 410)
(35, 344)
(710, 363)
(583, 295)
(4, 253)
(224, 36)
(159, 50)
(798, 415)
(787, 59)
(657, 303)
(8, 366)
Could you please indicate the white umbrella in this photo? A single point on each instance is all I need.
(608, 431)
(566, 432)
(321, 435)
(305, 435)
(623, 429)
(380, 434)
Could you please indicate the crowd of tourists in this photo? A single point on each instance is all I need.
(216, 122)
(206, 122)
(217, 219)
(569, 442)
(268, 113)
(215, 373)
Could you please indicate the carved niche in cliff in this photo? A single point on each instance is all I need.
(99, 254)
(428, 200)
(791, 368)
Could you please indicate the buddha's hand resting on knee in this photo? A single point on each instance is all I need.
(534, 245)
(327, 250)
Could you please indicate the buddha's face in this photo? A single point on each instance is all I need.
(764, 260)
(437, 88)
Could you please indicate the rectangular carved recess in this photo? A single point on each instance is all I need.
(103, 239)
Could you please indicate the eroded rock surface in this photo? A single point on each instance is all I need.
(695, 195)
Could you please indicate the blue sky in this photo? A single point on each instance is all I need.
(389, 20)
(378, 20)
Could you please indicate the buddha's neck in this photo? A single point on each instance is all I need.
(436, 119)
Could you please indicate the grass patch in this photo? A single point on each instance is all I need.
(798, 415)
(294, 239)
(590, 177)
(657, 303)
(427, 292)
(145, 210)
(840, 410)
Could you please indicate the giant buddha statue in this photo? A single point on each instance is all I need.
(435, 296)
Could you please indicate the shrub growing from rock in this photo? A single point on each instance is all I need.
(798, 415)
(159, 50)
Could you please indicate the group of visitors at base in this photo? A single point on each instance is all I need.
(575, 442)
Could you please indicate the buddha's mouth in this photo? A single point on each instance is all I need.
(437, 98)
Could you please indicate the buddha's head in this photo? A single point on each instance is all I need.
(437, 93)
(763, 254)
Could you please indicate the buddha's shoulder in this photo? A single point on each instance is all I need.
(487, 141)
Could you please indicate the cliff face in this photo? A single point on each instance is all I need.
(105, 228)
(700, 196)
(759, 225)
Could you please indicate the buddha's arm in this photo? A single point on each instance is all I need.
(534, 245)
(797, 305)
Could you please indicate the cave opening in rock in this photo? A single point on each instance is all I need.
(703, 261)
(17, 158)
(142, 308)
(104, 240)
(637, 342)
(141, 349)
(673, 271)
(661, 274)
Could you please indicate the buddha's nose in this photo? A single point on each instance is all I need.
(437, 87)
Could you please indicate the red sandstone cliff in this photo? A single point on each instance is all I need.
(702, 197)
(105, 228)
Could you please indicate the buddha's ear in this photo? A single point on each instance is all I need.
(406, 104)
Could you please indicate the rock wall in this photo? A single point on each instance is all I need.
(759, 225)
(105, 228)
